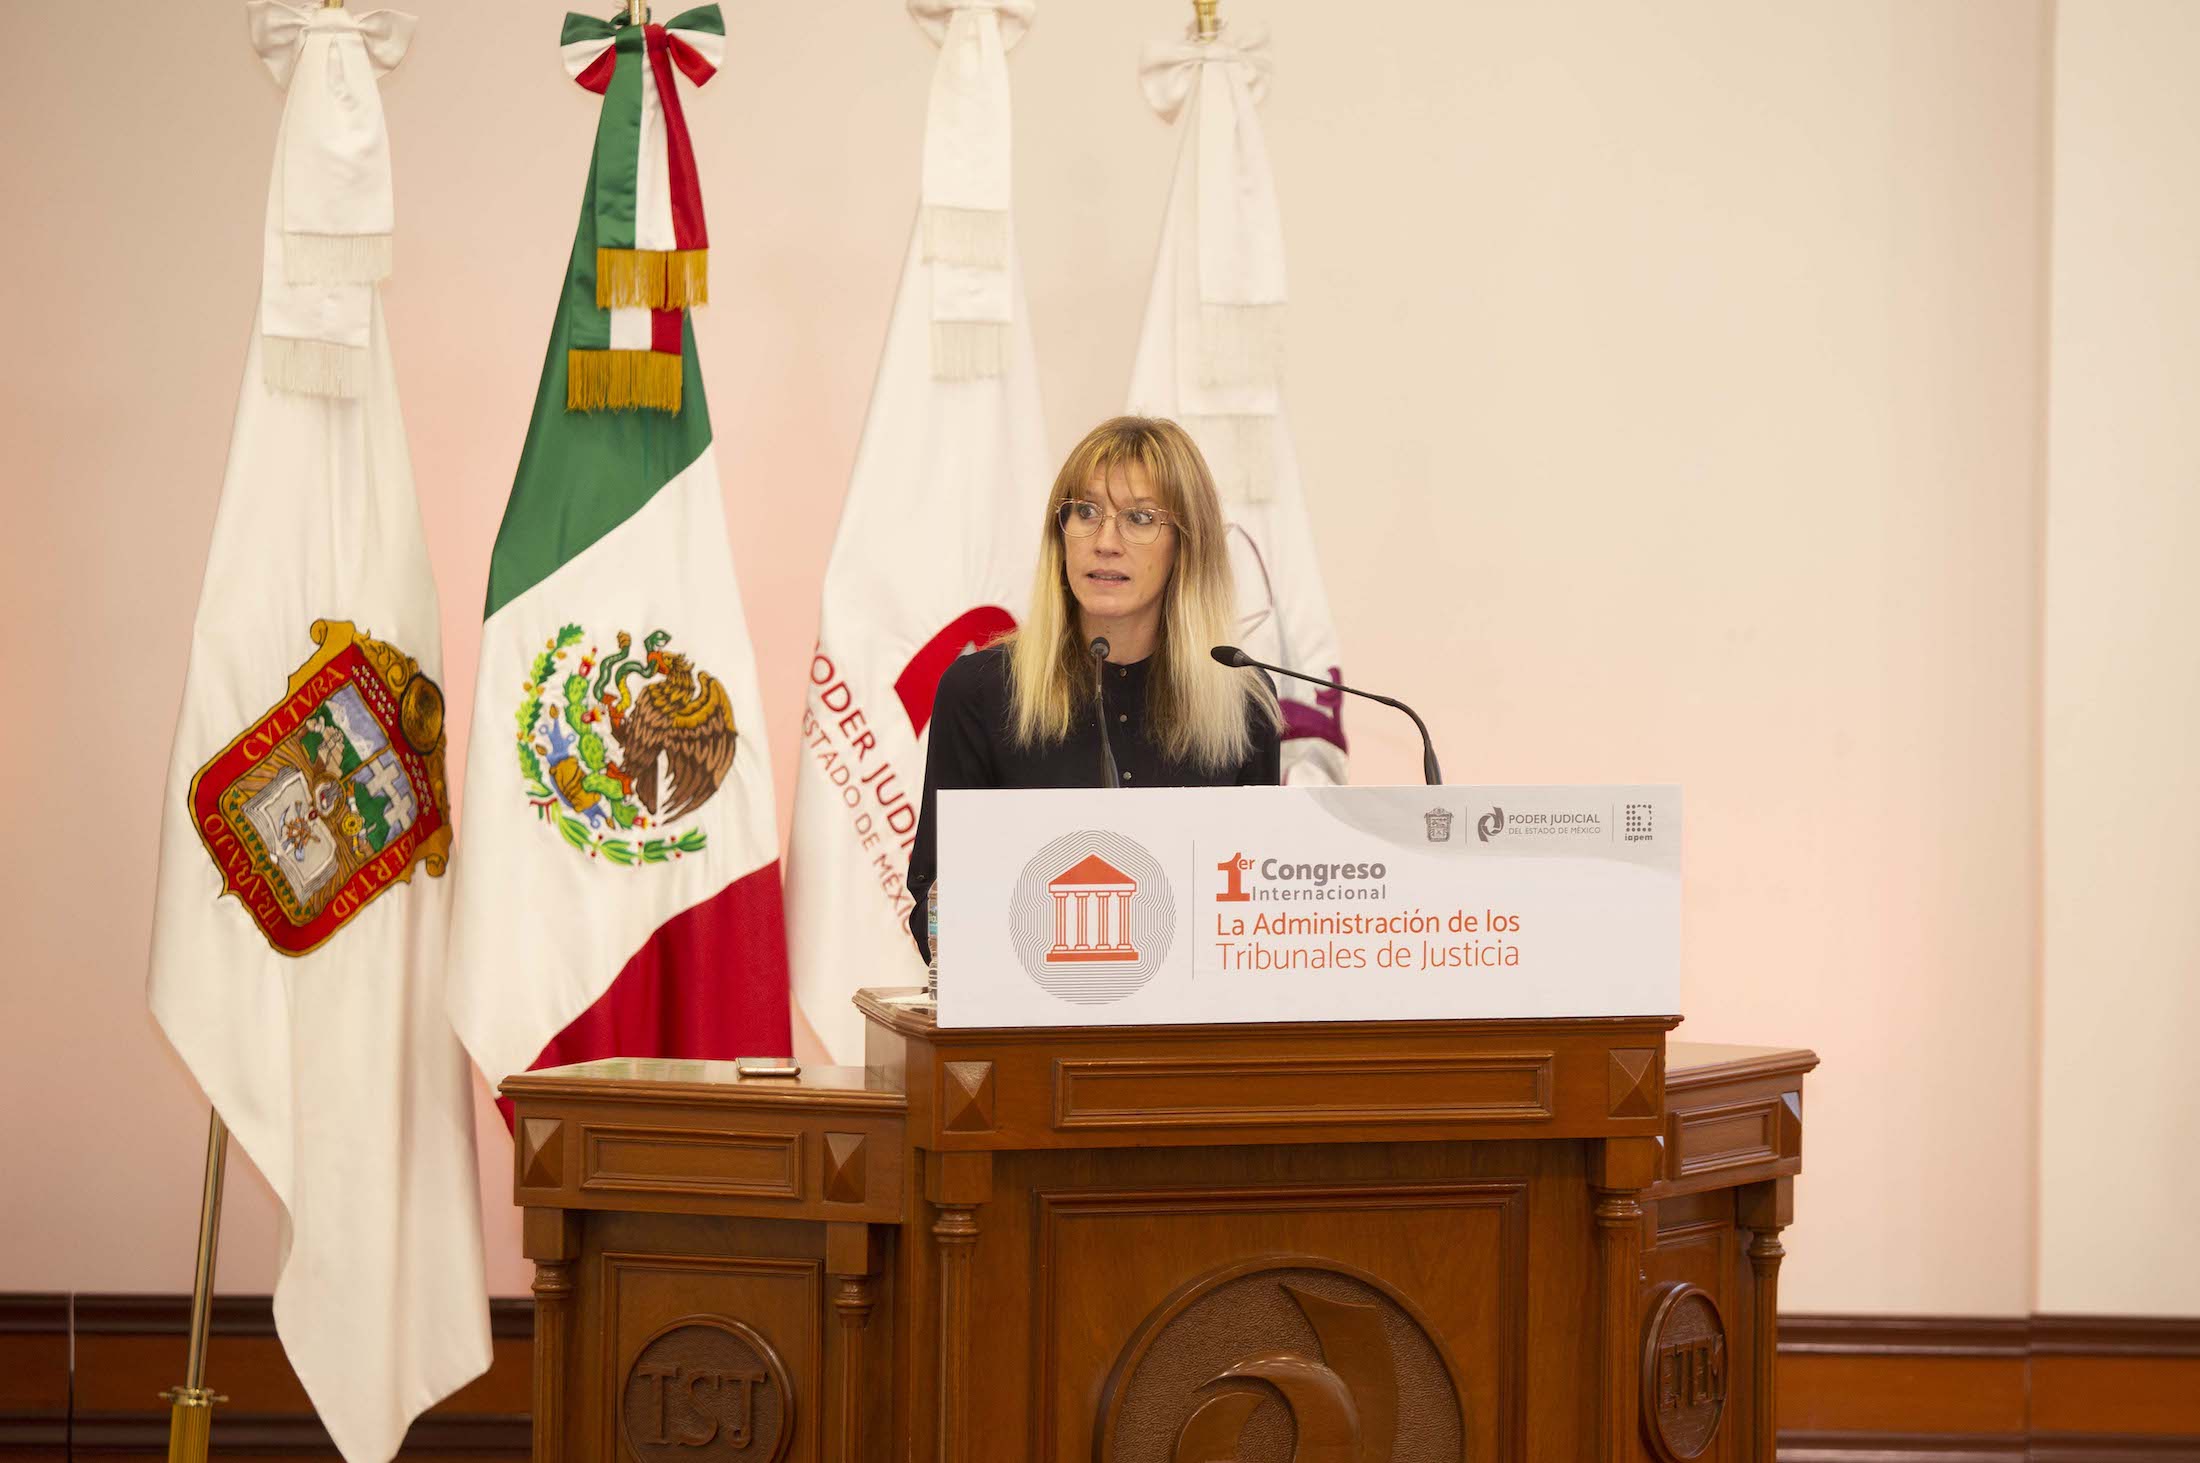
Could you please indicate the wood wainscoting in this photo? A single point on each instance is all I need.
(2048, 1389)
(81, 1376)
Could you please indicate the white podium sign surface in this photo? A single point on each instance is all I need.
(1160, 906)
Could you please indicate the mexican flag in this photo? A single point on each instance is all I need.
(937, 537)
(624, 897)
(303, 900)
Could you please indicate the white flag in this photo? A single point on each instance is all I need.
(938, 535)
(299, 921)
(1209, 357)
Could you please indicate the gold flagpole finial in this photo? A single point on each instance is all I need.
(637, 12)
(1203, 18)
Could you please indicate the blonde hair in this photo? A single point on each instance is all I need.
(1197, 711)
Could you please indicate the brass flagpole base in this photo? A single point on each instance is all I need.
(190, 1422)
(191, 1406)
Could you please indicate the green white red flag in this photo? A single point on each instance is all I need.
(624, 898)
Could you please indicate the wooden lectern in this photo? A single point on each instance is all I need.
(1337, 1243)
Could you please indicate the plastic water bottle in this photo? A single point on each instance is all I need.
(932, 940)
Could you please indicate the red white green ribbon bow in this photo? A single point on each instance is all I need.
(652, 258)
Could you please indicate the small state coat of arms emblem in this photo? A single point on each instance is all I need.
(333, 796)
(614, 748)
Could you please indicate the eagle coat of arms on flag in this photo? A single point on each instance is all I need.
(583, 719)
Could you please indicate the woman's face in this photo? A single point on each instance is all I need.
(1113, 579)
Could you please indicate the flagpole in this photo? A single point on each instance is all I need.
(191, 1410)
(1206, 26)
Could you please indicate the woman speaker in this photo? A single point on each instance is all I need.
(1110, 671)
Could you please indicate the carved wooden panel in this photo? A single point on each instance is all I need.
(845, 1170)
(1733, 1116)
(702, 1387)
(1251, 1092)
(710, 1358)
(1734, 1135)
(1699, 1247)
(1086, 1087)
(1685, 1366)
(1419, 1289)
(666, 1158)
(967, 1091)
(720, 1162)
(1631, 1081)
(539, 1153)
(1275, 1362)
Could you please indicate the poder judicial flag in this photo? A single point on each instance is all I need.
(623, 895)
(934, 554)
(300, 918)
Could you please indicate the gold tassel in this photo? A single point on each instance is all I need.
(652, 279)
(629, 279)
(623, 380)
(687, 278)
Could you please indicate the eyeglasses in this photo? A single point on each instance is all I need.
(1141, 526)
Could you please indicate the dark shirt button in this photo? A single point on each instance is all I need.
(1123, 672)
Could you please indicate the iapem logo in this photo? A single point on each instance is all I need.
(1092, 917)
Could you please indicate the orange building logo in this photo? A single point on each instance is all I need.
(1092, 914)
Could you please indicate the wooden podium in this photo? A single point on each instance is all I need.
(1512, 1240)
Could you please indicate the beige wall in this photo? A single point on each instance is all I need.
(1667, 377)
(2119, 1087)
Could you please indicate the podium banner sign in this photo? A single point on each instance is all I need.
(1159, 906)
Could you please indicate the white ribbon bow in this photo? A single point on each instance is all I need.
(1229, 268)
(1240, 230)
(279, 31)
(964, 218)
(330, 200)
(934, 17)
(1167, 69)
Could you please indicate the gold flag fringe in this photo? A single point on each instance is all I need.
(622, 380)
(687, 278)
(628, 279)
(652, 279)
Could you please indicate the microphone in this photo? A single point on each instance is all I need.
(1099, 652)
(1230, 655)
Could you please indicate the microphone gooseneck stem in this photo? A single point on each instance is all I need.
(1099, 650)
(1430, 772)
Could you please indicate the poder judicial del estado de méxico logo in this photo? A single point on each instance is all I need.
(1092, 917)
